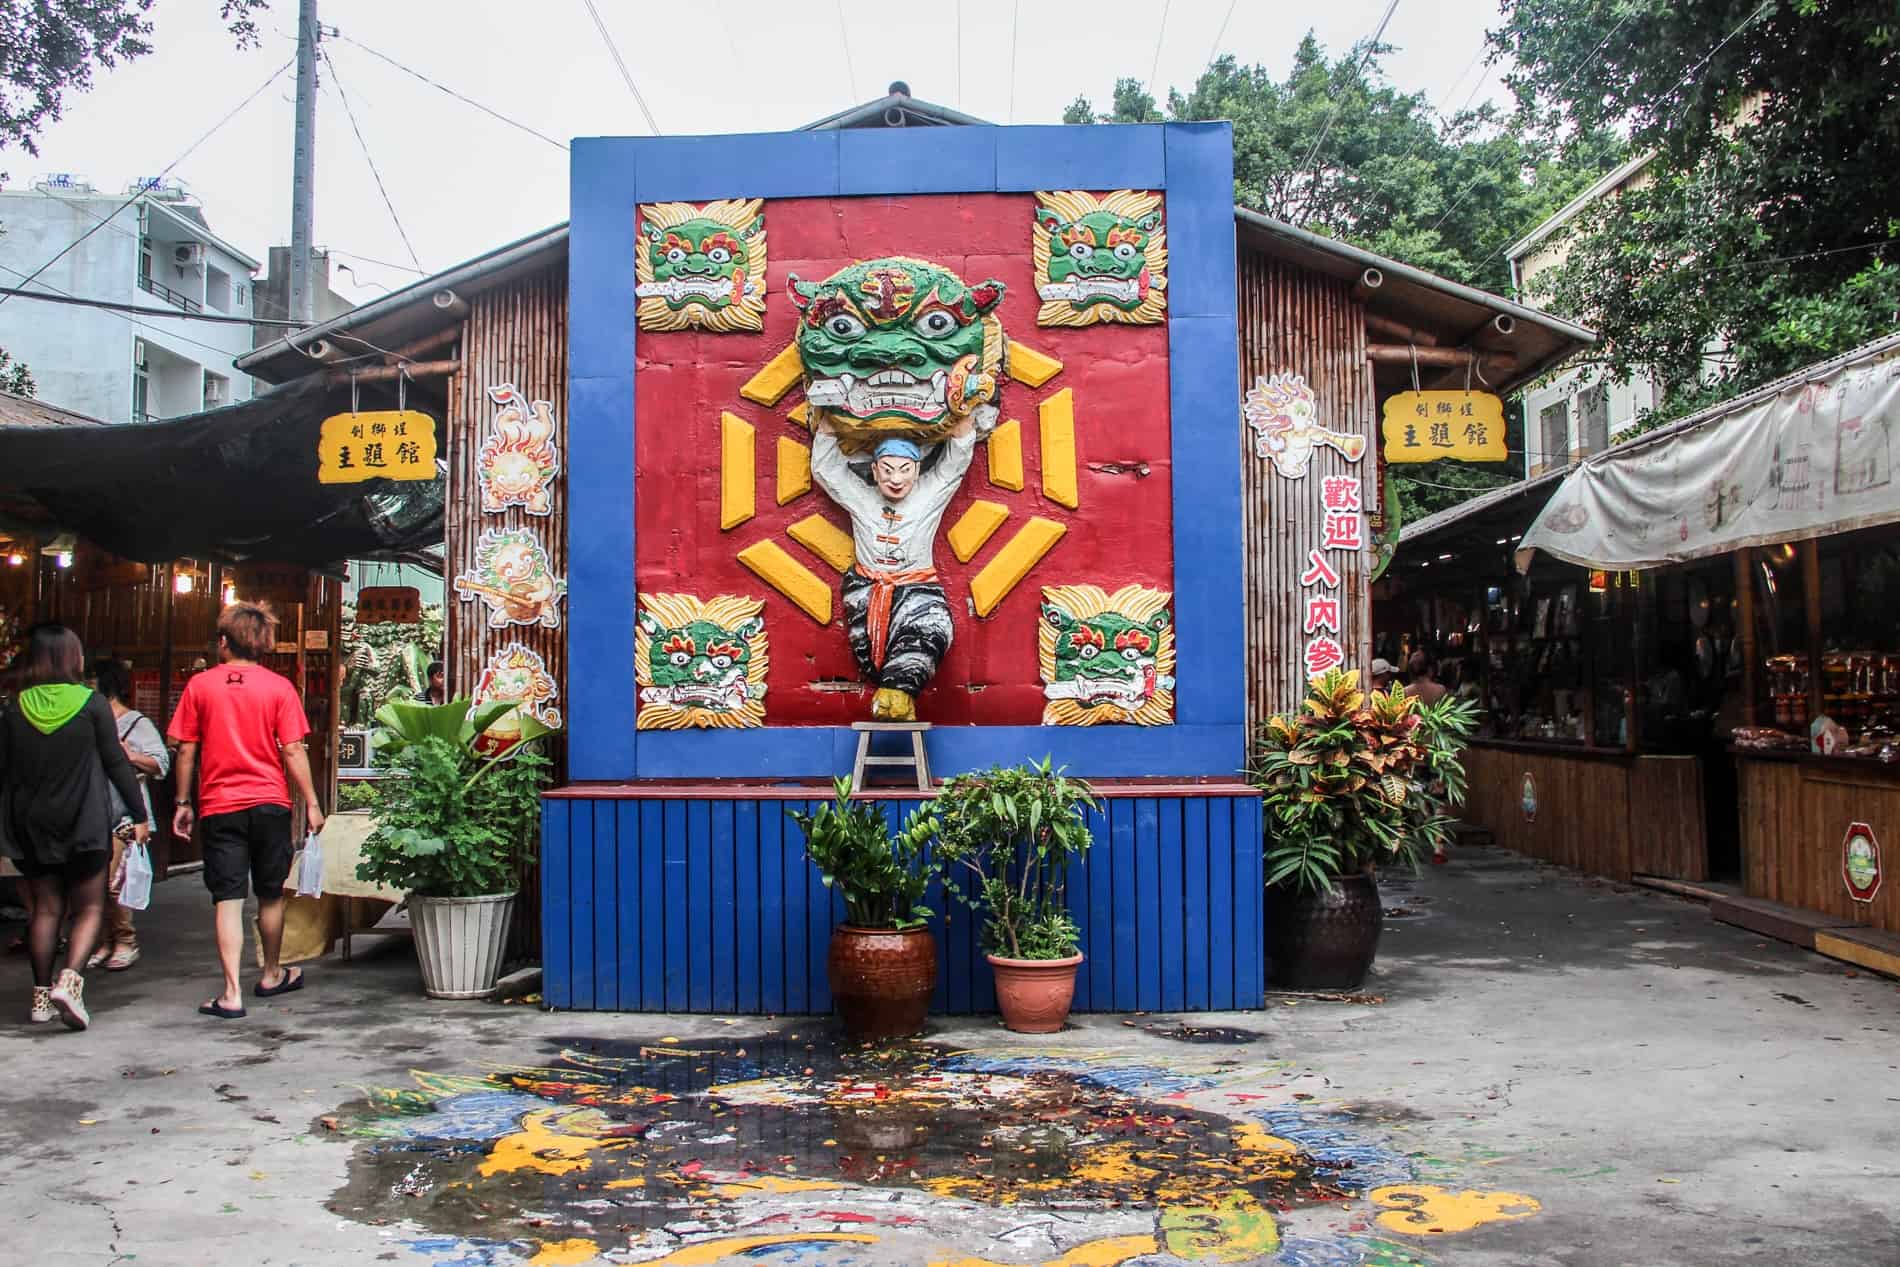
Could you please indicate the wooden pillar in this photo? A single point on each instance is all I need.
(165, 649)
(1745, 622)
(1811, 592)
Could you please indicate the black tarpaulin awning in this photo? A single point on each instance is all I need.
(232, 483)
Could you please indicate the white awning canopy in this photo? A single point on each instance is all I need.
(1807, 456)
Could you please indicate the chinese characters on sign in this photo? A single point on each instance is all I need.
(392, 444)
(1426, 426)
(1342, 499)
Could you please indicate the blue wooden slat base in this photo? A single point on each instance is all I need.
(691, 903)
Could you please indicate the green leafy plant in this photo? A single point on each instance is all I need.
(355, 796)
(453, 819)
(1355, 779)
(882, 876)
(1014, 831)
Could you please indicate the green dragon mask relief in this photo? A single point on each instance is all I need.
(1106, 658)
(897, 347)
(699, 663)
(1100, 259)
(701, 267)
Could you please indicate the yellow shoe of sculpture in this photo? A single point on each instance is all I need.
(891, 704)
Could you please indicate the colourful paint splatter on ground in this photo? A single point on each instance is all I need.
(775, 1150)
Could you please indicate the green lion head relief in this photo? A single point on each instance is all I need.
(701, 261)
(897, 345)
(1108, 658)
(1098, 258)
(699, 664)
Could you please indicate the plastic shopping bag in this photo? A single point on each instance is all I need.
(135, 884)
(310, 867)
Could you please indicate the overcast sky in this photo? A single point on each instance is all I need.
(462, 182)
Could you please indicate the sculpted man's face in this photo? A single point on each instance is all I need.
(895, 477)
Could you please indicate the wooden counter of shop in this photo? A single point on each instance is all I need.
(1795, 811)
(1605, 811)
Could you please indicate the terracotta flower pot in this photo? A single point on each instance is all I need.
(881, 979)
(1034, 994)
(1323, 940)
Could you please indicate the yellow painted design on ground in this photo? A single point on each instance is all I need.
(1110, 1251)
(1238, 1230)
(619, 1184)
(704, 1253)
(1006, 456)
(778, 376)
(1012, 563)
(759, 1185)
(564, 1253)
(1250, 1138)
(1058, 449)
(1028, 366)
(976, 526)
(540, 1146)
(801, 415)
(794, 470)
(1420, 1209)
(825, 539)
(788, 576)
(737, 475)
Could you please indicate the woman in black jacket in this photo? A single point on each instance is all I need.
(59, 757)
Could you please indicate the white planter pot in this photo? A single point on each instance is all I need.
(459, 941)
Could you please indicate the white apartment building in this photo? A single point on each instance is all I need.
(155, 253)
(1580, 411)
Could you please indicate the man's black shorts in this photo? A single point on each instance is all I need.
(251, 844)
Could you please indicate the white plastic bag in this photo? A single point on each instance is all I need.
(310, 867)
(135, 882)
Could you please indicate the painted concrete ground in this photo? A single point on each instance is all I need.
(1545, 1071)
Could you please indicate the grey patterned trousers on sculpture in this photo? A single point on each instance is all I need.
(919, 636)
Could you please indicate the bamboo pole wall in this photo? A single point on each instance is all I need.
(1301, 322)
(514, 334)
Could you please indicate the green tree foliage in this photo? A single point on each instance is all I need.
(1334, 148)
(1766, 232)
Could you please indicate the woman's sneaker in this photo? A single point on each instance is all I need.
(68, 999)
(42, 1010)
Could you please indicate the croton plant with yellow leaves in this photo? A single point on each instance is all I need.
(1356, 778)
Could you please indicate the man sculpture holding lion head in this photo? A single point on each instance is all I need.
(902, 360)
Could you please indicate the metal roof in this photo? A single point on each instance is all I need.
(1609, 181)
(22, 411)
(896, 109)
(1453, 516)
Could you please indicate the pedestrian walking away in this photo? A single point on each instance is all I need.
(240, 729)
(60, 762)
(145, 749)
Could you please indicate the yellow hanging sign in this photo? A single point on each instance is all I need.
(1426, 426)
(389, 444)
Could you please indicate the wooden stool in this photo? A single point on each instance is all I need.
(918, 760)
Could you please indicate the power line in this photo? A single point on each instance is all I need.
(1213, 50)
(350, 114)
(114, 306)
(1483, 43)
(185, 338)
(141, 191)
(1161, 35)
(844, 37)
(613, 50)
(1372, 46)
(368, 259)
(461, 97)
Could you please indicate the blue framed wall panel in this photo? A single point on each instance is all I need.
(1168, 905)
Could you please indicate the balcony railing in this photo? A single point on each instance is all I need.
(169, 295)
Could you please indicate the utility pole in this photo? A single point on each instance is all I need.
(304, 167)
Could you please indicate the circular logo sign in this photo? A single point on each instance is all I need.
(1860, 862)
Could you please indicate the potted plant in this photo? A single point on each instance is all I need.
(882, 963)
(1351, 781)
(455, 815)
(1014, 830)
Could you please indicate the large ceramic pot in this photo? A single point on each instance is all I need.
(1323, 939)
(1034, 995)
(881, 979)
(459, 941)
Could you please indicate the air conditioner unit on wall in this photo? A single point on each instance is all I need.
(186, 254)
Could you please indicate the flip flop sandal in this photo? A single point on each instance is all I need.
(293, 980)
(222, 1013)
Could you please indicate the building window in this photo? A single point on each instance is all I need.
(1593, 417)
(1553, 425)
(237, 296)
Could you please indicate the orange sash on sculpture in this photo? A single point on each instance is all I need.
(884, 585)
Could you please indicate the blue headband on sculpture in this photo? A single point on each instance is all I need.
(896, 447)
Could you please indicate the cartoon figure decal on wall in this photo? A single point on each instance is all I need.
(1106, 658)
(1284, 416)
(901, 359)
(700, 663)
(518, 459)
(1100, 258)
(701, 267)
(512, 576)
(517, 675)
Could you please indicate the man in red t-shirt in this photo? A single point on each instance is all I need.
(241, 728)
